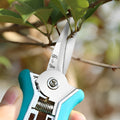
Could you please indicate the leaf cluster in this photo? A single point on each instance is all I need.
(55, 11)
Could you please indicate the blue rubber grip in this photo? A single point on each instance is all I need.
(68, 105)
(28, 92)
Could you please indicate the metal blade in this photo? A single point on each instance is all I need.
(69, 51)
(56, 61)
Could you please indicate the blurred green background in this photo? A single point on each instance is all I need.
(98, 40)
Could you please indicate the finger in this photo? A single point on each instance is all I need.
(11, 104)
(77, 116)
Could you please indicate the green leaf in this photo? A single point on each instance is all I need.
(78, 3)
(25, 10)
(10, 1)
(78, 13)
(56, 14)
(43, 14)
(34, 4)
(4, 61)
(60, 5)
(78, 8)
(9, 16)
(90, 11)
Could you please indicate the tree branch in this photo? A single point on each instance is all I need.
(33, 39)
(27, 43)
(57, 30)
(113, 67)
(92, 5)
(15, 27)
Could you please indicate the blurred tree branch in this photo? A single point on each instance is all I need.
(2, 40)
(16, 27)
(92, 5)
(113, 67)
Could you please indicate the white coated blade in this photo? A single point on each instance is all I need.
(56, 61)
(69, 52)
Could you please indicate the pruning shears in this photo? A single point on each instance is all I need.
(48, 96)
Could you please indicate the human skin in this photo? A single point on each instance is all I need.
(74, 114)
(11, 104)
(12, 100)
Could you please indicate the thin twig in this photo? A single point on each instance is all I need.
(45, 34)
(92, 5)
(49, 38)
(37, 24)
(33, 39)
(57, 30)
(96, 63)
(48, 35)
(15, 27)
(27, 43)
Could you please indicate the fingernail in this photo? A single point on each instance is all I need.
(77, 116)
(82, 117)
(11, 96)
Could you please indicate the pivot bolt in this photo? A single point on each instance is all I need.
(52, 83)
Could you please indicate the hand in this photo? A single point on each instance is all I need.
(11, 104)
(77, 116)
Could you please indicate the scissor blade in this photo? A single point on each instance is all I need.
(68, 53)
(56, 61)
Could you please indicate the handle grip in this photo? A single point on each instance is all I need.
(64, 107)
(28, 92)
(69, 104)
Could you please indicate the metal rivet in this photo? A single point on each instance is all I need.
(52, 83)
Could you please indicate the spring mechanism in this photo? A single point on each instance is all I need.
(45, 106)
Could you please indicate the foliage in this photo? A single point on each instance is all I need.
(9, 16)
(78, 8)
(4, 61)
(98, 40)
(56, 10)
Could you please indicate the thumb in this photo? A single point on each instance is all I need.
(11, 104)
(77, 116)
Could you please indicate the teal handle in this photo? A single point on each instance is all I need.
(28, 92)
(69, 104)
